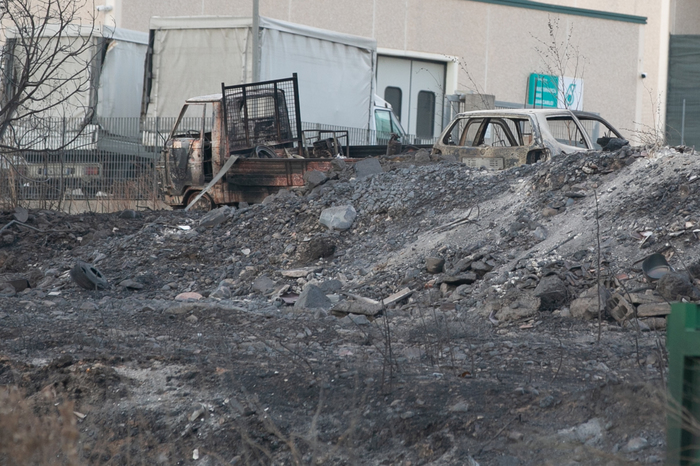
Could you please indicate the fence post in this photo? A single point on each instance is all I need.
(683, 410)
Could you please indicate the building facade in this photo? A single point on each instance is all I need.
(615, 53)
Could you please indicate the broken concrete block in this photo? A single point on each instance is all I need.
(620, 308)
(312, 298)
(434, 264)
(653, 309)
(314, 178)
(552, 292)
(586, 305)
(338, 218)
(367, 167)
(358, 305)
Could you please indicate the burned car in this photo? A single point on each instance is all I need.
(498, 139)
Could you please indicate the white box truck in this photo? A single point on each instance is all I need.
(192, 56)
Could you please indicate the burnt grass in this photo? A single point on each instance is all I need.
(242, 378)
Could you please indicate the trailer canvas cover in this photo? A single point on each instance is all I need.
(194, 55)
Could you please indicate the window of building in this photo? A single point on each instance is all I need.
(425, 119)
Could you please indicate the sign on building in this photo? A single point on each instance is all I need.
(547, 91)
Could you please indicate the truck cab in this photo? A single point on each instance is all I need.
(238, 146)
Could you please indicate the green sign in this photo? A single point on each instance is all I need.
(542, 91)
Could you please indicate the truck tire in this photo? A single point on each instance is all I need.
(87, 276)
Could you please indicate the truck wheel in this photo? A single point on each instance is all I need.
(204, 204)
(88, 277)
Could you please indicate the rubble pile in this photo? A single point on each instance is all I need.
(454, 261)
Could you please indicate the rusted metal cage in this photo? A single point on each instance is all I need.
(263, 114)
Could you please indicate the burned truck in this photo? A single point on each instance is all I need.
(238, 146)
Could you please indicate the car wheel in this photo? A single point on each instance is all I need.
(87, 276)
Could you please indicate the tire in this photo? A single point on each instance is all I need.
(87, 276)
(204, 204)
(265, 152)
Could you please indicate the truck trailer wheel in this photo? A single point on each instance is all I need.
(204, 204)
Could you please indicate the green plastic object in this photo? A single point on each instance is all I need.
(683, 415)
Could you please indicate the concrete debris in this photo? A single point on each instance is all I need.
(589, 303)
(358, 305)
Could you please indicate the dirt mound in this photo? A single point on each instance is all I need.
(491, 358)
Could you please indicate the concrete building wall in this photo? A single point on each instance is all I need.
(685, 17)
(495, 44)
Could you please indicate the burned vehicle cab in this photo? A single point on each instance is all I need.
(187, 153)
(499, 139)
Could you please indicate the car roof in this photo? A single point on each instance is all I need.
(529, 111)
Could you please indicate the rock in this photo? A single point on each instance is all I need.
(317, 248)
(128, 213)
(215, 217)
(434, 264)
(299, 273)
(192, 319)
(422, 156)
(675, 285)
(264, 284)
(330, 286)
(312, 298)
(188, 295)
(522, 307)
(481, 267)
(586, 305)
(636, 444)
(549, 212)
(509, 460)
(358, 319)
(358, 305)
(461, 279)
(459, 407)
(314, 178)
(540, 233)
(221, 292)
(338, 218)
(588, 433)
(88, 306)
(131, 284)
(552, 292)
(367, 167)
(547, 401)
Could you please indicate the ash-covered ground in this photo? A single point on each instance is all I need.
(456, 321)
